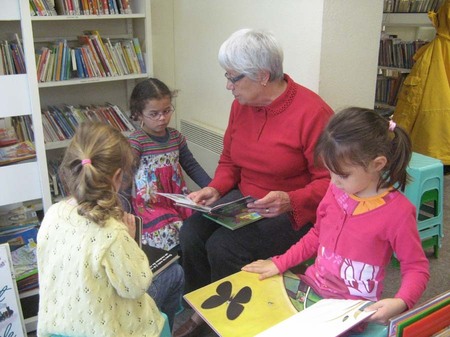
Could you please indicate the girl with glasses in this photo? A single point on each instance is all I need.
(161, 154)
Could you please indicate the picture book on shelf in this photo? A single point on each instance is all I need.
(17, 152)
(233, 214)
(159, 258)
(8, 136)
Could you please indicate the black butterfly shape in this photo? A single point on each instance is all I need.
(224, 294)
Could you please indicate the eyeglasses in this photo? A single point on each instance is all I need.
(234, 79)
(157, 114)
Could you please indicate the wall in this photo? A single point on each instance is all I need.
(330, 46)
(350, 42)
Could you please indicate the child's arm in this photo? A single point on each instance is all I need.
(414, 264)
(127, 266)
(130, 221)
(192, 168)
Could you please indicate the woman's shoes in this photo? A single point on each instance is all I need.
(188, 329)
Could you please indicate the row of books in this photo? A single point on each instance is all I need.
(388, 87)
(397, 53)
(93, 57)
(23, 128)
(11, 59)
(58, 185)
(79, 7)
(60, 123)
(411, 6)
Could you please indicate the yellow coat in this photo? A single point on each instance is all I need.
(423, 107)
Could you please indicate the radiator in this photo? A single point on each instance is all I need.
(205, 144)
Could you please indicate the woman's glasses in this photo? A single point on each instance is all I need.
(158, 114)
(234, 79)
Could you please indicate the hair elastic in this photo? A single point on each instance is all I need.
(86, 161)
(392, 125)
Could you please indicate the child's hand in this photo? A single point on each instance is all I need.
(266, 268)
(386, 308)
(129, 220)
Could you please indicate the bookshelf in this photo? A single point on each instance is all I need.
(25, 181)
(25, 95)
(76, 91)
(402, 34)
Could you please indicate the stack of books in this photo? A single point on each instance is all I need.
(19, 228)
(431, 318)
(17, 152)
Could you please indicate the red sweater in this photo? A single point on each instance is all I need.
(271, 148)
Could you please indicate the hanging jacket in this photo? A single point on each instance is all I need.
(423, 107)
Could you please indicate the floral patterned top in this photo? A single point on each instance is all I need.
(160, 170)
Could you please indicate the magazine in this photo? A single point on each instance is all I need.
(233, 214)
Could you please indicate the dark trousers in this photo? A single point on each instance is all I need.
(211, 252)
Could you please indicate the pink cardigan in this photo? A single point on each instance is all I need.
(353, 250)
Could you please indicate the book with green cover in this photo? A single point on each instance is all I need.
(234, 222)
(233, 214)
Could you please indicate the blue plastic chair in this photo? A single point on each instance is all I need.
(166, 328)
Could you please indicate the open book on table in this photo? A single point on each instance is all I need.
(158, 258)
(233, 214)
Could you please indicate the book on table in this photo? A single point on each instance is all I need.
(242, 305)
(233, 214)
(159, 258)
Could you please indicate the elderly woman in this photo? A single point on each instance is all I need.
(269, 154)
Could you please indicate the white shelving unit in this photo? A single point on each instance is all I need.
(23, 95)
(19, 95)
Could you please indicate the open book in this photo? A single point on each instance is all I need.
(326, 318)
(233, 214)
(159, 258)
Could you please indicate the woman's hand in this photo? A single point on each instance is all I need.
(386, 308)
(129, 220)
(272, 205)
(206, 196)
(266, 268)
